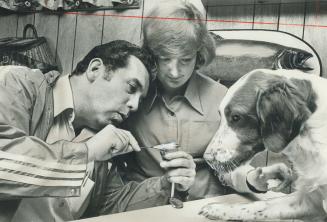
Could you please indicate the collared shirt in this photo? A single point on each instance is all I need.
(58, 209)
(63, 111)
(190, 120)
(193, 114)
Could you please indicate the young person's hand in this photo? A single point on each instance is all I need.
(110, 142)
(259, 177)
(180, 169)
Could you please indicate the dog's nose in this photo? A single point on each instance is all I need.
(208, 157)
(222, 155)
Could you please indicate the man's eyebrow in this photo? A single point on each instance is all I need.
(141, 87)
(137, 82)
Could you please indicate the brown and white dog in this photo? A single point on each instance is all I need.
(282, 111)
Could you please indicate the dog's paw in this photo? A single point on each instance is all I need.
(215, 211)
(211, 211)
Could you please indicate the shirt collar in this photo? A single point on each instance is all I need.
(63, 97)
(191, 94)
(152, 96)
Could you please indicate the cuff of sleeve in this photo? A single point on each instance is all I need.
(253, 189)
(238, 179)
(76, 155)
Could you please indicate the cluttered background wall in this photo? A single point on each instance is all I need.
(71, 35)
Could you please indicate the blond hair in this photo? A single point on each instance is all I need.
(177, 26)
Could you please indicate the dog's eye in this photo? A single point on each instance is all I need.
(235, 118)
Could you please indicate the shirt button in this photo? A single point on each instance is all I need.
(73, 192)
(61, 203)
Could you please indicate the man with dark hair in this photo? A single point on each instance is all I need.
(116, 56)
(40, 116)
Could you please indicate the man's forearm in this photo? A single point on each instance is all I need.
(31, 168)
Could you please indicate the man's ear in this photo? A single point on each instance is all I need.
(281, 110)
(95, 68)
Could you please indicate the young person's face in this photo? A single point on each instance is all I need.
(175, 70)
(111, 101)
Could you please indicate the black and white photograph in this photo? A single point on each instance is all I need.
(163, 110)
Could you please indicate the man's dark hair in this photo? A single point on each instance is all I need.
(115, 55)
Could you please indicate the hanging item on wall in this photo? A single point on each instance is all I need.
(20, 5)
(240, 51)
(124, 2)
(32, 52)
(67, 5)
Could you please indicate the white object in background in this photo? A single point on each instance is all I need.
(199, 5)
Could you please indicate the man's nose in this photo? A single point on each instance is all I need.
(173, 68)
(133, 103)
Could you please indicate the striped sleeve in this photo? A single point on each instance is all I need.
(237, 178)
(38, 172)
(56, 170)
(30, 167)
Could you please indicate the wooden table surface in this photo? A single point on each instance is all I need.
(189, 213)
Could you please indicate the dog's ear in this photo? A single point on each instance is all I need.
(281, 110)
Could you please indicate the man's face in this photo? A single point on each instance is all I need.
(111, 101)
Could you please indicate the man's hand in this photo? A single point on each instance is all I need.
(180, 169)
(110, 142)
(260, 177)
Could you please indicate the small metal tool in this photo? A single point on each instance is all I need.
(166, 148)
(176, 203)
